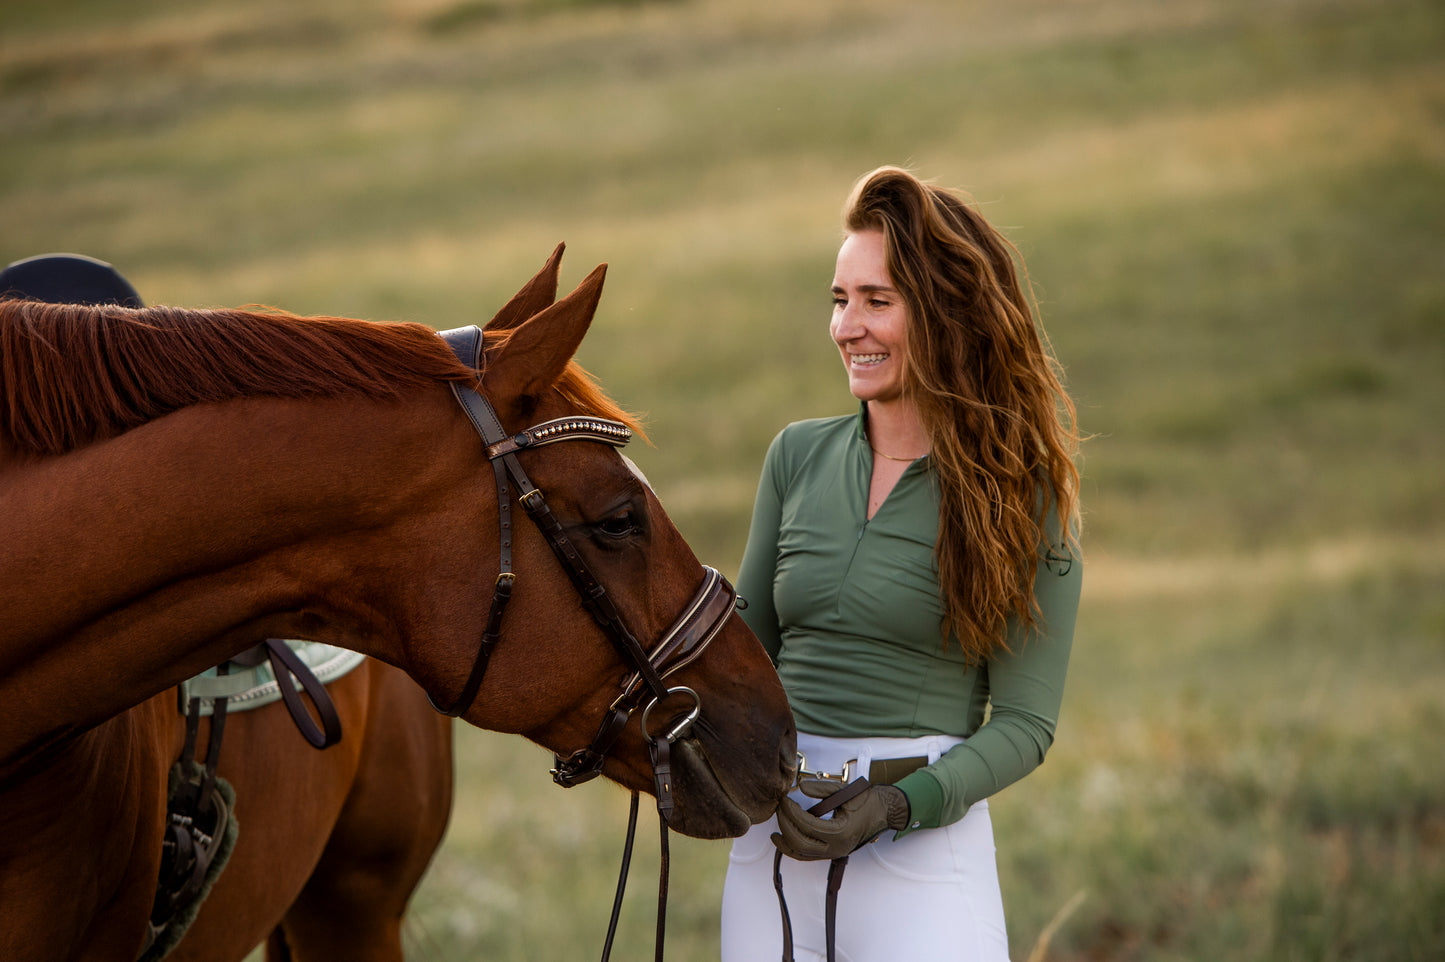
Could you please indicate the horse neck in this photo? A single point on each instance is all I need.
(139, 561)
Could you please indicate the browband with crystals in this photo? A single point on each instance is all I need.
(582, 427)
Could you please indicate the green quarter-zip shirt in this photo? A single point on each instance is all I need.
(849, 609)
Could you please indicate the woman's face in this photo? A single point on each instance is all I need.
(870, 321)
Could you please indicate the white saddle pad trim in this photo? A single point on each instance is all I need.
(253, 687)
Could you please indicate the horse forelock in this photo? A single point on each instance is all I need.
(73, 374)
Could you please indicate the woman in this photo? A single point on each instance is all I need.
(909, 567)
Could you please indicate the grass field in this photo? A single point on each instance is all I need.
(1233, 212)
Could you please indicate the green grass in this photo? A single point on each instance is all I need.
(1231, 211)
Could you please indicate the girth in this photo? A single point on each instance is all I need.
(199, 829)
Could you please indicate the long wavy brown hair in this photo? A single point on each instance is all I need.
(989, 392)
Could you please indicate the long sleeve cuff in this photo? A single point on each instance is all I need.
(925, 801)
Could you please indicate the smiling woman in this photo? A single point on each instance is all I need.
(905, 596)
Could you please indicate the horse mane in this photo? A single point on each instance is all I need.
(74, 374)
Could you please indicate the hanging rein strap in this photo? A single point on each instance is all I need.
(835, 875)
(660, 749)
(291, 671)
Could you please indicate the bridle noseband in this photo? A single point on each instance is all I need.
(689, 635)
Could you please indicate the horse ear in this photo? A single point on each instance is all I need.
(535, 296)
(534, 355)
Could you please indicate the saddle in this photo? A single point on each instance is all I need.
(200, 825)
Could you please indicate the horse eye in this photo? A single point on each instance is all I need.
(619, 525)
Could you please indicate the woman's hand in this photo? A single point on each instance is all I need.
(857, 821)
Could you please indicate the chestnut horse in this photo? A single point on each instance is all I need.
(177, 486)
(350, 866)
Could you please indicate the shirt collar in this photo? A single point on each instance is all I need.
(860, 425)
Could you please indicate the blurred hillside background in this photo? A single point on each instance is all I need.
(1233, 212)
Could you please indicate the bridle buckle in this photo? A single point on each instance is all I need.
(581, 766)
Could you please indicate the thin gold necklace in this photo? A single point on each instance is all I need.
(892, 458)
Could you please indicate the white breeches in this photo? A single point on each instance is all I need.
(932, 896)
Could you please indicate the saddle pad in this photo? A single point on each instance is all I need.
(247, 688)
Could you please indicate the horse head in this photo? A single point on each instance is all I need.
(606, 561)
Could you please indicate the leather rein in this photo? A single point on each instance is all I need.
(695, 628)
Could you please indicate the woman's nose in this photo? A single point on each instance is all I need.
(846, 325)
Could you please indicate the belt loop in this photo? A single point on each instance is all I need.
(865, 760)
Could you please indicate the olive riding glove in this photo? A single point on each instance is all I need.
(858, 821)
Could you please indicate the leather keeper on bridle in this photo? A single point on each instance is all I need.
(689, 635)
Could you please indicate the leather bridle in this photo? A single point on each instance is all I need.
(699, 623)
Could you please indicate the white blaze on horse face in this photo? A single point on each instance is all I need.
(631, 466)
